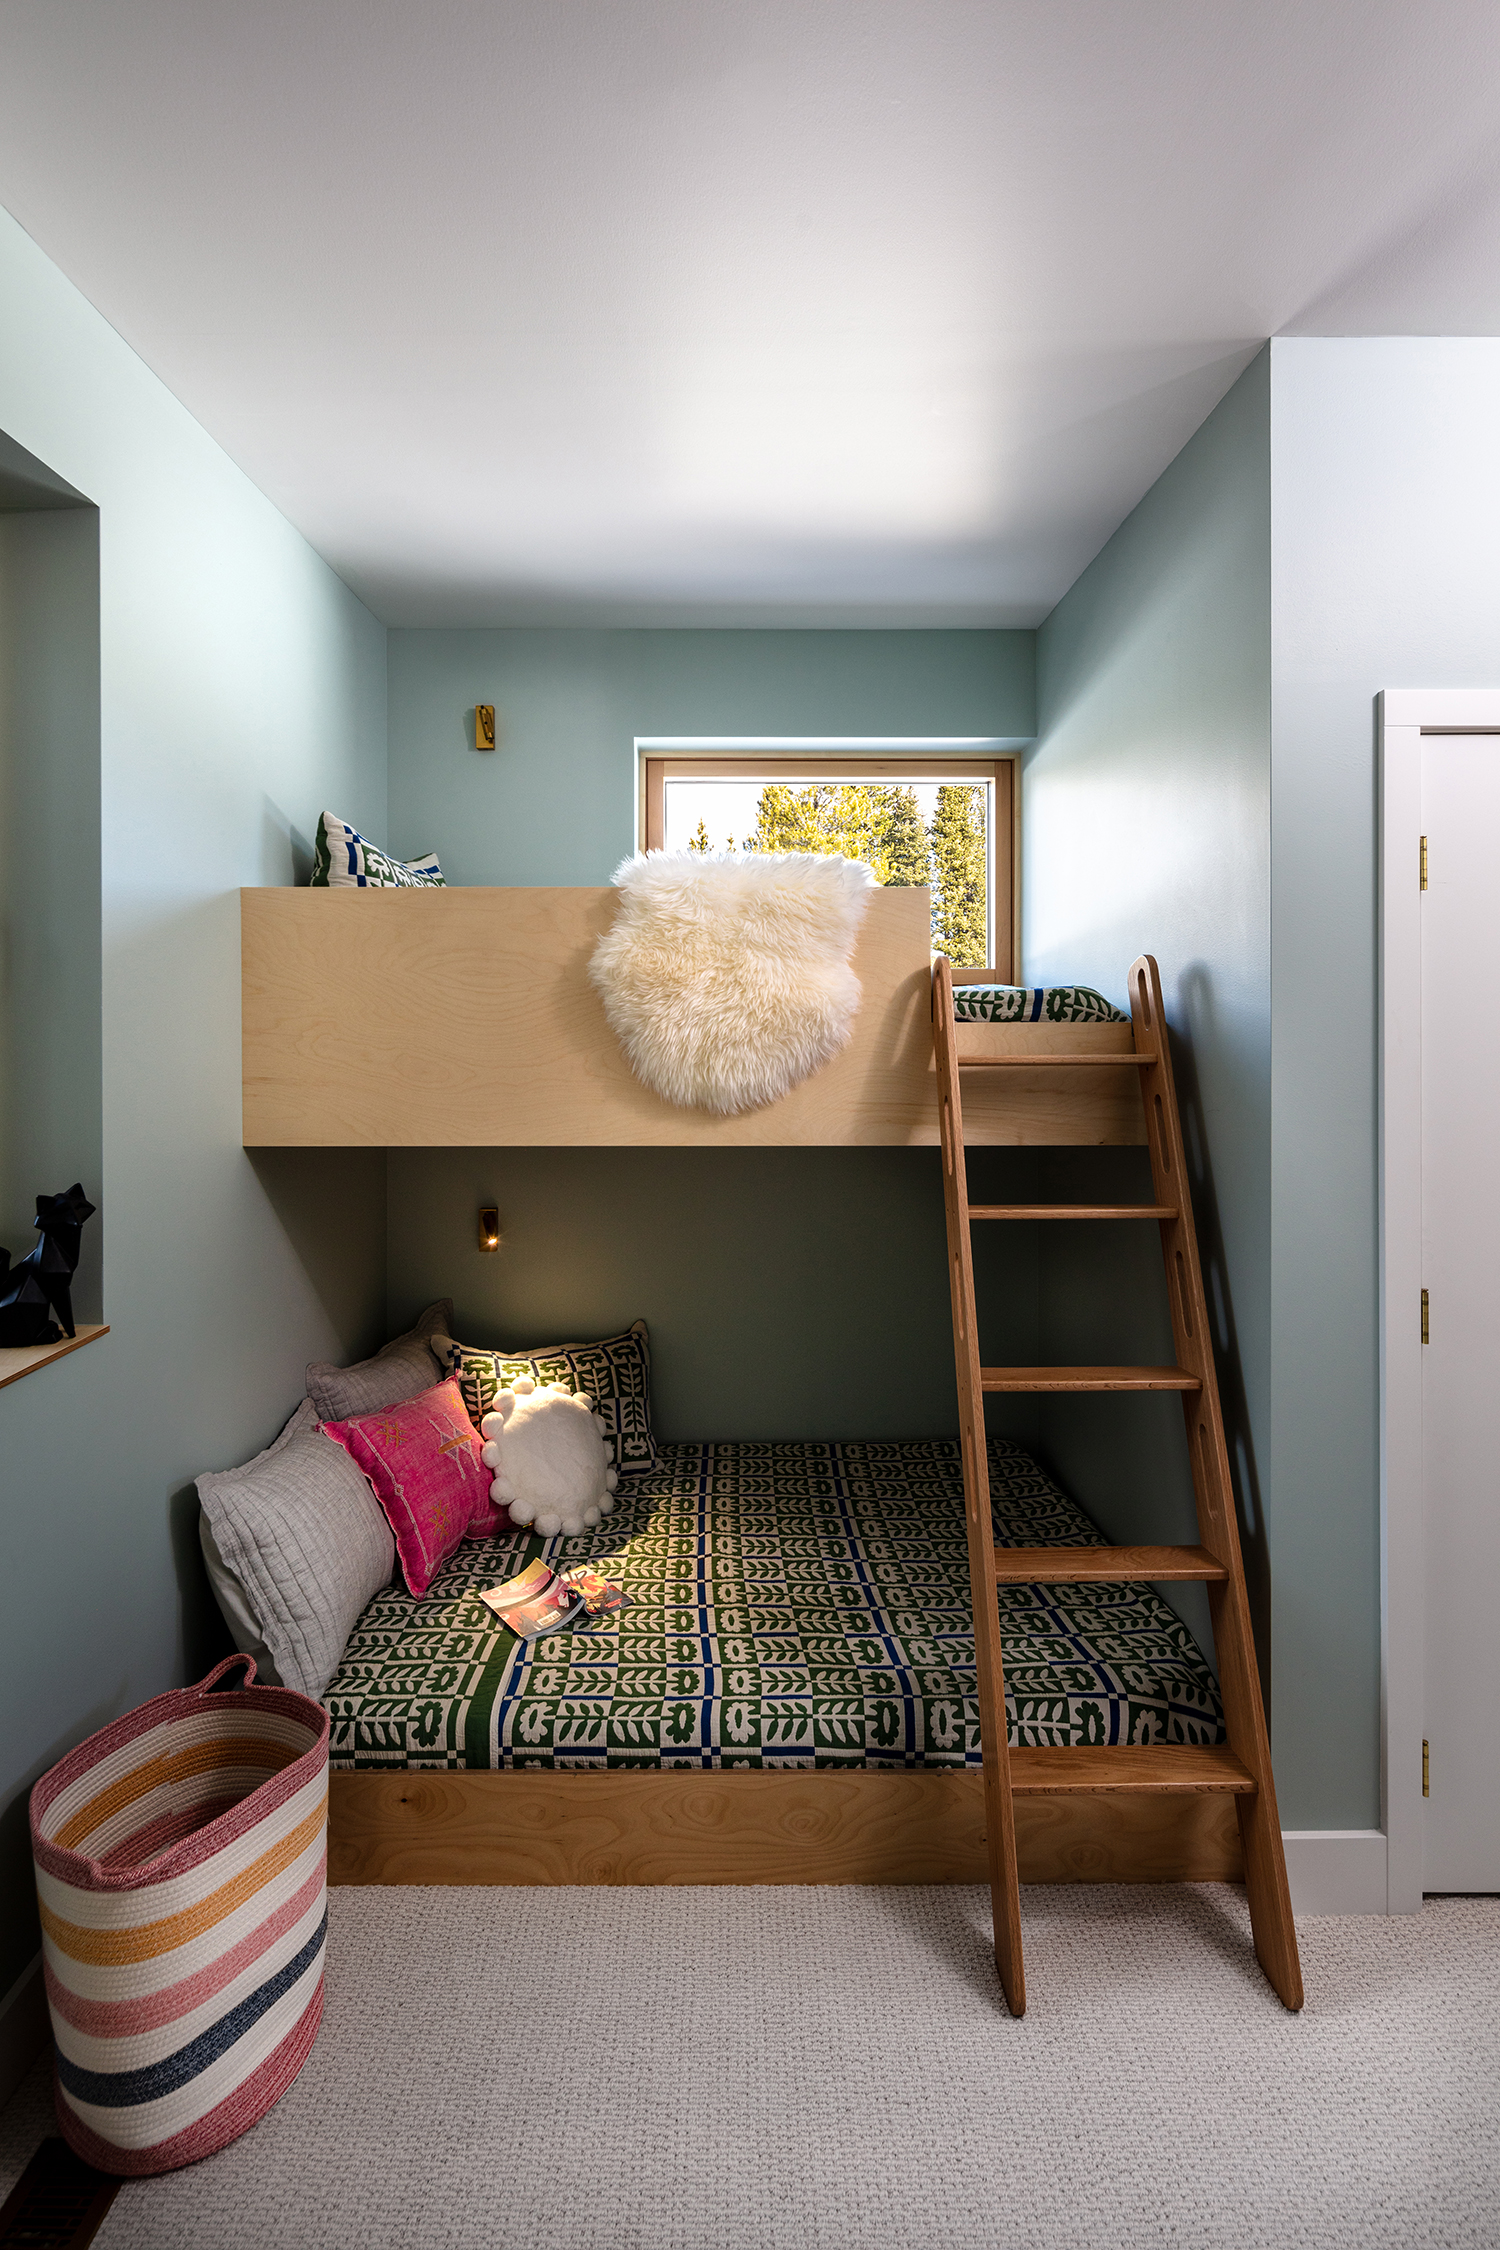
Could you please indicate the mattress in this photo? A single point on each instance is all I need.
(786, 1605)
(1032, 1003)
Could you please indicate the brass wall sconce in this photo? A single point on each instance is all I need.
(484, 726)
(489, 1228)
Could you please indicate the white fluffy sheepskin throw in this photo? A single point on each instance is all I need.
(546, 1447)
(726, 979)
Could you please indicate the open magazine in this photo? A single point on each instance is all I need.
(543, 1600)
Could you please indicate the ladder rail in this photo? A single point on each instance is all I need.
(1266, 1885)
(1243, 1763)
(999, 1804)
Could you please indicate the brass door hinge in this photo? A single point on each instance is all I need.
(1426, 1791)
(1424, 1316)
(1423, 883)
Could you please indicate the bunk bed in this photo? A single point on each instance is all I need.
(456, 1018)
(465, 1018)
(791, 1682)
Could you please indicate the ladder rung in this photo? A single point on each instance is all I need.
(1072, 1210)
(1098, 1566)
(1190, 1769)
(1087, 1379)
(1121, 1061)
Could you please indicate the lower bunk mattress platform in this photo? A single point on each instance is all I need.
(786, 1606)
(788, 1694)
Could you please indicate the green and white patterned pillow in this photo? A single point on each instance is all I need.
(1032, 1003)
(342, 859)
(616, 1373)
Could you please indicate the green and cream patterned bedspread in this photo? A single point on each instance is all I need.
(787, 1605)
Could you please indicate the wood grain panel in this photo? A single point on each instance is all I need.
(1071, 1211)
(979, 1042)
(17, 1360)
(464, 1018)
(1039, 1108)
(1162, 1767)
(1098, 1566)
(726, 1828)
(1089, 1379)
(1122, 1838)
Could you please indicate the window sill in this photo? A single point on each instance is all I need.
(17, 1360)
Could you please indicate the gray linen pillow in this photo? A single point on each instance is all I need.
(398, 1371)
(296, 1545)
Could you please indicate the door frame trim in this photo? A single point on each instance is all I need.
(1403, 715)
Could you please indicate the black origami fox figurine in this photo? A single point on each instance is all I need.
(42, 1284)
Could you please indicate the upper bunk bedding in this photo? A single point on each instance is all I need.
(1032, 1003)
(787, 1605)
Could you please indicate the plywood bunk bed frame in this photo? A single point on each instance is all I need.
(465, 1018)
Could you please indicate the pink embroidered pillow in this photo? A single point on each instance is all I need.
(422, 1459)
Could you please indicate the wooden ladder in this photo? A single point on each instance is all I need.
(1240, 1767)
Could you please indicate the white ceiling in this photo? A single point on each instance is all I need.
(741, 311)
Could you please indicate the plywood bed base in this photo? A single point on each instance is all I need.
(756, 1827)
(465, 1019)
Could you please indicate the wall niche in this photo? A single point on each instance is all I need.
(51, 1107)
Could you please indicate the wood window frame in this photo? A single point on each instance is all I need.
(657, 768)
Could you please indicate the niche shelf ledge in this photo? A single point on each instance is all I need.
(17, 1360)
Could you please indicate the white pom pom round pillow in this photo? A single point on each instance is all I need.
(727, 980)
(546, 1447)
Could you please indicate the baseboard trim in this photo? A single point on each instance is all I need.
(1336, 1870)
(24, 2028)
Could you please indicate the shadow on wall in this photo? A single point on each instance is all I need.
(1104, 1300)
(1123, 1456)
(1195, 988)
(23, 1932)
(286, 854)
(790, 1292)
(331, 1203)
(202, 1635)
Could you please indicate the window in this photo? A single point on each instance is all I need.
(945, 822)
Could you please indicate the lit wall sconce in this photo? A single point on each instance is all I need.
(484, 726)
(489, 1228)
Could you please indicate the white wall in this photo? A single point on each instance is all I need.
(1385, 507)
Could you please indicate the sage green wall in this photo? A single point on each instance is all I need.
(555, 803)
(1146, 821)
(240, 687)
(790, 1293)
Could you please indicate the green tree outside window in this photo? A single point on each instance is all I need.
(958, 859)
(882, 824)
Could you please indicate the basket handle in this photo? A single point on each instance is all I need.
(211, 1679)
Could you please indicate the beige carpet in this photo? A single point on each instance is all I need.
(831, 2069)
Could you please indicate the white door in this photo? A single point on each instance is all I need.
(1461, 1273)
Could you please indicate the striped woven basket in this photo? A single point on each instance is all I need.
(181, 1859)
